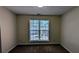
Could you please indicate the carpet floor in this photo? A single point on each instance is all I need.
(39, 49)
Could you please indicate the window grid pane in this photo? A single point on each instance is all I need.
(34, 24)
(34, 35)
(44, 35)
(44, 25)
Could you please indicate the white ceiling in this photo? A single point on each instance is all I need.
(46, 10)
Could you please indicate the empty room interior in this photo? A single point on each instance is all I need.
(39, 29)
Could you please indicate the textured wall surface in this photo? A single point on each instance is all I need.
(23, 28)
(8, 29)
(70, 30)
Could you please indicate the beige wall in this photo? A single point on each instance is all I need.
(70, 30)
(8, 29)
(22, 28)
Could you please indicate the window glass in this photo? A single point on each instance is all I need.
(44, 25)
(34, 24)
(39, 30)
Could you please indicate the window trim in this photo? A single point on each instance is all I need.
(36, 41)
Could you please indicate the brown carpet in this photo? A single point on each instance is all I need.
(39, 49)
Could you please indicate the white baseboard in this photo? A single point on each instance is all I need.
(35, 43)
(66, 48)
(11, 48)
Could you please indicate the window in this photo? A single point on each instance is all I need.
(39, 30)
